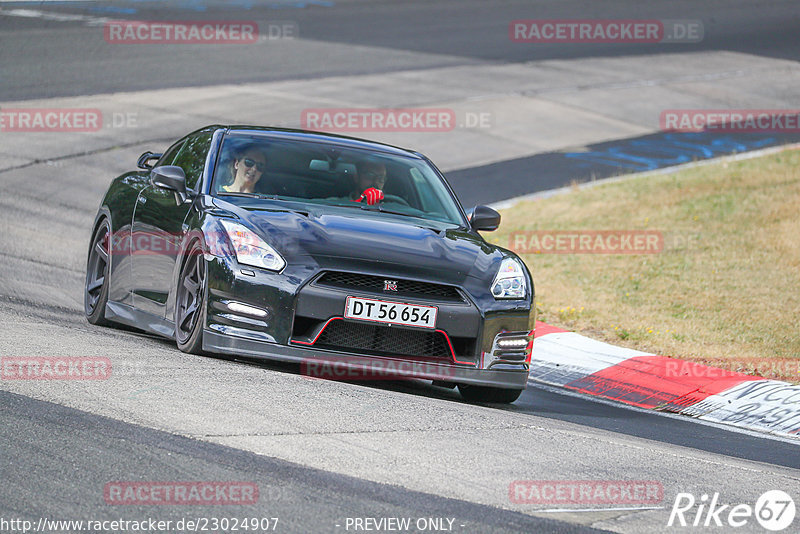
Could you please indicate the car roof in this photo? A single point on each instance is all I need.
(320, 137)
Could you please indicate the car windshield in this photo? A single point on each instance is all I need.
(328, 174)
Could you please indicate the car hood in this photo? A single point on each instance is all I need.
(375, 242)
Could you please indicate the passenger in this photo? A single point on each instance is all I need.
(247, 168)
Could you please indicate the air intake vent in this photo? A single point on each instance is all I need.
(384, 340)
(375, 285)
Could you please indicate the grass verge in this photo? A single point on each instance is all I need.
(725, 288)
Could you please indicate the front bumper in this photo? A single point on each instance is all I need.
(297, 310)
(331, 364)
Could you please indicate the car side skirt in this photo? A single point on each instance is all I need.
(130, 316)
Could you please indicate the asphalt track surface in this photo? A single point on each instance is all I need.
(60, 453)
(322, 451)
(436, 33)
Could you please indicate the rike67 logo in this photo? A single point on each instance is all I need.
(774, 510)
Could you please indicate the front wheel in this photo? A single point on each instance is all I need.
(95, 295)
(190, 302)
(488, 394)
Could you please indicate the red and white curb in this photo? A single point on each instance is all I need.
(575, 362)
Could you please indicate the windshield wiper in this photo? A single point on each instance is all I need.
(381, 209)
(247, 195)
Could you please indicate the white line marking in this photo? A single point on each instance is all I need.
(58, 17)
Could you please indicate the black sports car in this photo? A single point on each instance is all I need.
(312, 248)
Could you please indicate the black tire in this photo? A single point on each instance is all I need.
(95, 294)
(488, 394)
(190, 301)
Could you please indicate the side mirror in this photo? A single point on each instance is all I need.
(146, 158)
(169, 177)
(484, 218)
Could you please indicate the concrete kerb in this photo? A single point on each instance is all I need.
(577, 363)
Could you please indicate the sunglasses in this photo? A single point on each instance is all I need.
(250, 162)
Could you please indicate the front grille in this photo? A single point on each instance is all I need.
(383, 340)
(375, 284)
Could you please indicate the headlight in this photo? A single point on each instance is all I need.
(251, 249)
(510, 280)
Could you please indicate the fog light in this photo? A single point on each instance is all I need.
(512, 343)
(238, 307)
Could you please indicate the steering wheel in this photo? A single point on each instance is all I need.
(395, 198)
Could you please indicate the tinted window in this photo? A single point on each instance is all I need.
(192, 157)
(169, 155)
(331, 175)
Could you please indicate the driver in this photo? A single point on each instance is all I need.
(247, 168)
(369, 182)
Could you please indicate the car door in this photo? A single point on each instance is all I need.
(157, 226)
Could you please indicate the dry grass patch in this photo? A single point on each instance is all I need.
(726, 287)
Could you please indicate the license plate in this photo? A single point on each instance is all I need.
(390, 312)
